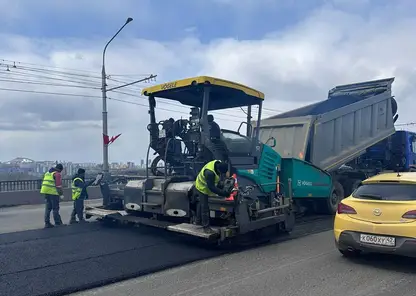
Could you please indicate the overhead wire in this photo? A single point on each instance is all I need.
(96, 88)
(90, 81)
(46, 83)
(85, 87)
(45, 69)
(68, 69)
(405, 124)
(77, 86)
(98, 97)
(124, 101)
(17, 74)
(46, 66)
(48, 93)
(9, 67)
(87, 79)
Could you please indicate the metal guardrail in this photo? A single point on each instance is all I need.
(34, 185)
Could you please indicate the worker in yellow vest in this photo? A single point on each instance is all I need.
(206, 185)
(53, 192)
(79, 194)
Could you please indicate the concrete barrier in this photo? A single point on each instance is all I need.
(20, 198)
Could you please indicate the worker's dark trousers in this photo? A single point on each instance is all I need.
(52, 204)
(202, 210)
(78, 210)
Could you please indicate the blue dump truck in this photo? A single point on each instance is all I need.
(339, 135)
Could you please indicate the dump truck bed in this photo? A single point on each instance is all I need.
(337, 130)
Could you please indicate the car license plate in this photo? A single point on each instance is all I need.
(378, 240)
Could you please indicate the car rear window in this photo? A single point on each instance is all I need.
(386, 191)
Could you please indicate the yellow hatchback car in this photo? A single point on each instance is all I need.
(379, 216)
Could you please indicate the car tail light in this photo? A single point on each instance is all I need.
(344, 209)
(410, 215)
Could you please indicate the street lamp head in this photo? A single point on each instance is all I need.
(129, 20)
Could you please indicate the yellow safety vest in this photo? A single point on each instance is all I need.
(76, 191)
(201, 183)
(48, 184)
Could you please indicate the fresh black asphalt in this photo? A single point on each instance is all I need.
(73, 258)
(59, 261)
(77, 258)
(308, 266)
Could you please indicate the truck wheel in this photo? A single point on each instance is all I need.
(351, 185)
(337, 194)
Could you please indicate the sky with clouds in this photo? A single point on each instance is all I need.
(294, 51)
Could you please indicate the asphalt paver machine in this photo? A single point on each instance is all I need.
(165, 198)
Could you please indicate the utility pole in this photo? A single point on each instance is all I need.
(105, 189)
(104, 96)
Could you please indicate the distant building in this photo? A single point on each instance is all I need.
(18, 165)
(26, 168)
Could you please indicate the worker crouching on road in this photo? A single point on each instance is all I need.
(52, 190)
(79, 194)
(206, 185)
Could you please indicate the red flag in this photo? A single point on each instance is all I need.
(114, 138)
(108, 141)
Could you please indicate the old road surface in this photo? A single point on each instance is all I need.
(70, 259)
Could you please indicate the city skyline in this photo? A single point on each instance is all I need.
(99, 162)
(28, 169)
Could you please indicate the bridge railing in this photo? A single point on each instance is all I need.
(34, 185)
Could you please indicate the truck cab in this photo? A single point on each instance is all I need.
(397, 152)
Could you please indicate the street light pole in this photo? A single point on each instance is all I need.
(104, 96)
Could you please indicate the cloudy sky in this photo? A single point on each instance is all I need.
(292, 50)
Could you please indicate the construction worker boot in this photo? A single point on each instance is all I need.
(49, 225)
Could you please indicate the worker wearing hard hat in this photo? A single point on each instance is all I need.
(79, 194)
(206, 185)
(52, 190)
